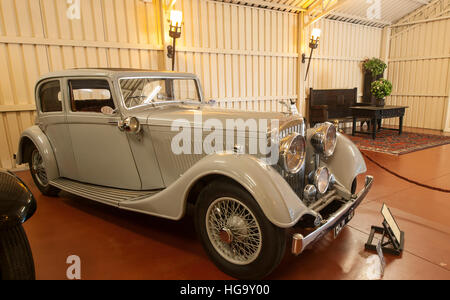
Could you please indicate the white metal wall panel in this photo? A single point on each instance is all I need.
(245, 56)
(37, 37)
(419, 67)
(337, 63)
(435, 9)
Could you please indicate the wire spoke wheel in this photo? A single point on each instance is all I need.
(233, 231)
(38, 168)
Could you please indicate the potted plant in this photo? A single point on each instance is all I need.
(380, 90)
(373, 70)
(375, 66)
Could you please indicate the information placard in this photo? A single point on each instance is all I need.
(386, 212)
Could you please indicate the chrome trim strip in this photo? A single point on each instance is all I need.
(299, 242)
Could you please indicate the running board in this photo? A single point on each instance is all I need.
(100, 193)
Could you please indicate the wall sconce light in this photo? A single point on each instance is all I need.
(313, 44)
(176, 19)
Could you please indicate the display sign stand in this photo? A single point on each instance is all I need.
(391, 242)
(381, 257)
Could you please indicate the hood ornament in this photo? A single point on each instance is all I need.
(291, 107)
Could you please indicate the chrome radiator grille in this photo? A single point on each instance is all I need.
(296, 128)
(295, 181)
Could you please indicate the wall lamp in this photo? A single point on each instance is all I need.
(175, 21)
(313, 44)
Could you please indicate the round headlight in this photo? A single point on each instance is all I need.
(322, 179)
(293, 152)
(324, 139)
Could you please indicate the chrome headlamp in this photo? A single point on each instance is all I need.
(322, 179)
(293, 153)
(324, 139)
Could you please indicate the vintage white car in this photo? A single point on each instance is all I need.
(122, 137)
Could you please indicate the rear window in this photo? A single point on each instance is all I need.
(90, 95)
(50, 97)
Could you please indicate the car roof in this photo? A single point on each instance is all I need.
(115, 73)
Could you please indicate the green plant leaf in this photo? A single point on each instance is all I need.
(375, 65)
(381, 88)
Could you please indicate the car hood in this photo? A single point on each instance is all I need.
(197, 115)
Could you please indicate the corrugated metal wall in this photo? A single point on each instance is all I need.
(419, 64)
(37, 37)
(245, 56)
(337, 63)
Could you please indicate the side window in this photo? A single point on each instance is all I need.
(50, 97)
(90, 95)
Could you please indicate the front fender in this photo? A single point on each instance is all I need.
(17, 203)
(40, 140)
(273, 194)
(345, 164)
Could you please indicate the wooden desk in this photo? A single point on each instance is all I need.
(376, 115)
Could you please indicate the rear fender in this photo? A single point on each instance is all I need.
(40, 140)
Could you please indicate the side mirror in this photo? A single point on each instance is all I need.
(130, 124)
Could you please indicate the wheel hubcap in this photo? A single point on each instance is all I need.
(226, 236)
(233, 231)
(38, 168)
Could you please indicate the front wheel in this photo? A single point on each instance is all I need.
(235, 233)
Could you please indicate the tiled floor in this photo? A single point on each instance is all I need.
(114, 244)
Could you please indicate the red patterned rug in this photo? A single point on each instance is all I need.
(391, 143)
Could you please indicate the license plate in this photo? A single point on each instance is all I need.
(337, 230)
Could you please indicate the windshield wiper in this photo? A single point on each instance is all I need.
(153, 95)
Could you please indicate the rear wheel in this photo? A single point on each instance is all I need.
(39, 173)
(16, 259)
(235, 233)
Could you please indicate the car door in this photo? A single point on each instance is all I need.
(102, 152)
(51, 109)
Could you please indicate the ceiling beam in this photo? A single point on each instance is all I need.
(419, 11)
(423, 21)
(325, 12)
(314, 5)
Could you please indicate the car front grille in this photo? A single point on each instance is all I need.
(299, 128)
(295, 181)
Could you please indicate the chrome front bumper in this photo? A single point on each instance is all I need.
(299, 242)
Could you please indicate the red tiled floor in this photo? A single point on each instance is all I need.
(115, 244)
(384, 184)
(345, 258)
(422, 166)
(430, 166)
(424, 238)
(440, 182)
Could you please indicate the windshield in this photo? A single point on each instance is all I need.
(143, 91)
